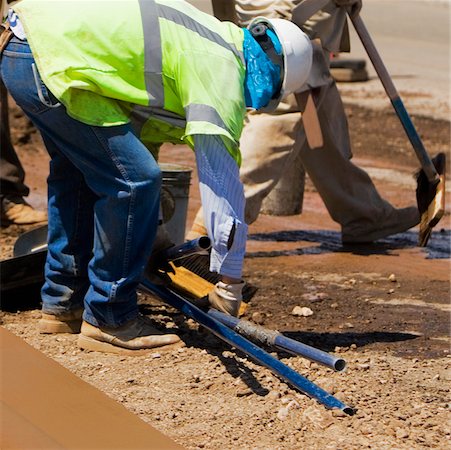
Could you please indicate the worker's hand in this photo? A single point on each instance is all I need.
(157, 268)
(353, 6)
(227, 297)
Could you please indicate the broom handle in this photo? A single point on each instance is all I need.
(398, 105)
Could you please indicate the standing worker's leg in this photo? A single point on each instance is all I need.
(268, 148)
(347, 191)
(14, 209)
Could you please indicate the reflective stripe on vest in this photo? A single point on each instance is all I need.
(150, 12)
(163, 65)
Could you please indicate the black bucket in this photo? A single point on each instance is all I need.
(174, 199)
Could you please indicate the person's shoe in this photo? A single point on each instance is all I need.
(400, 220)
(69, 322)
(15, 210)
(136, 337)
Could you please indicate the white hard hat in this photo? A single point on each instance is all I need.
(297, 55)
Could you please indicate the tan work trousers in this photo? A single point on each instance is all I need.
(271, 142)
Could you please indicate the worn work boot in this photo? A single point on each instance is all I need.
(136, 337)
(227, 297)
(15, 210)
(399, 220)
(69, 322)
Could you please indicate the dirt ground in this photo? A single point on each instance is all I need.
(383, 307)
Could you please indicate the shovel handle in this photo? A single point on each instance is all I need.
(398, 105)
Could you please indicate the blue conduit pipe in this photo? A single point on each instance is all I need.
(236, 340)
(272, 337)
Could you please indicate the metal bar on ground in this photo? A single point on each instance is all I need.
(236, 340)
(277, 339)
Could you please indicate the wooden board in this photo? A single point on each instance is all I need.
(44, 405)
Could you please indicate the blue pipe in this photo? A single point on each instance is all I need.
(278, 340)
(250, 349)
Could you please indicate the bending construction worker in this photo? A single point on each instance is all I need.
(270, 143)
(101, 81)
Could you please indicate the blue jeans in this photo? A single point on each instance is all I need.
(103, 201)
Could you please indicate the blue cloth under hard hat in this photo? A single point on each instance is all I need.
(262, 79)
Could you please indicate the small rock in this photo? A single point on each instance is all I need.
(282, 414)
(315, 297)
(334, 305)
(390, 291)
(319, 417)
(293, 405)
(366, 429)
(273, 395)
(302, 311)
(339, 413)
(243, 392)
(402, 433)
(258, 318)
(392, 278)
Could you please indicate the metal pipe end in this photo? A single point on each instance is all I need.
(204, 242)
(349, 411)
(340, 365)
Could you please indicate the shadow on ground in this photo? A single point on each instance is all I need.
(439, 245)
(329, 341)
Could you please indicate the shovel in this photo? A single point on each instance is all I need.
(430, 190)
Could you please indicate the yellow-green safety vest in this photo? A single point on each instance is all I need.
(170, 69)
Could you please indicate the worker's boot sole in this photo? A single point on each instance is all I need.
(53, 327)
(87, 343)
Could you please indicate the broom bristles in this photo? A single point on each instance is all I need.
(430, 199)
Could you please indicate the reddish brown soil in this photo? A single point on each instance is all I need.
(384, 308)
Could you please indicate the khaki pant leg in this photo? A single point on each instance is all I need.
(347, 191)
(268, 147)
(12, 174)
